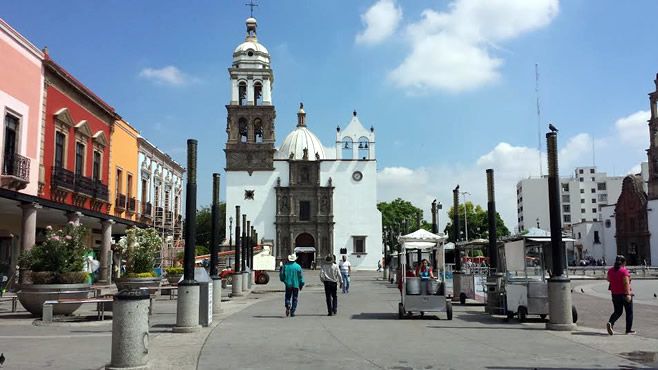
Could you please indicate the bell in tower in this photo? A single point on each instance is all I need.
(250, 119)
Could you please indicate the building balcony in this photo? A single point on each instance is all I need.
(15, 172)
(85, 185)
(132, 204)
(159, 215)
(146, 209)
(120, 202)
(100, 191)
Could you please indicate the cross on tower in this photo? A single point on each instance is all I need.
(251, 5)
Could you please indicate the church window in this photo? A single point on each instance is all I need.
(258, 93)
(304, 176)
(258, 130)
(359, 244)
(244, 132)
(347, 148)
(597, 240)
(304, 210)
(242, 93)
(364, 152)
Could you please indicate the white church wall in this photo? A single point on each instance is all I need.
(261, 210)
(355, 209)
(609, 233)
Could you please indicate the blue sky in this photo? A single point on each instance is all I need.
(448, 85)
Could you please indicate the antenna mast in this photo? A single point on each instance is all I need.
(541, 168)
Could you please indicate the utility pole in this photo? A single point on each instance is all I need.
(236, 288)
(214, 247)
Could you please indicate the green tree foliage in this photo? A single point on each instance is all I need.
(204, 225)
(478, 224)
(399, 217)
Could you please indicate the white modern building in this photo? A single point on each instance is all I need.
(581, 197)
(302, 197)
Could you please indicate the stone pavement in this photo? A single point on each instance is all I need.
(253, 332)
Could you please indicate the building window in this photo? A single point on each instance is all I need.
(593, 210)
(119, 181)
(242, 93)
(580, 171)
(582, 191)
(258, 93)
(243, 130)
(359, 246)
(583, 220)
(593, 179)
(566, 199)
(593, 190)
(582, 210)
(567, 218)
(97, 166)
(79, 159)
(608, 224)
(144, 193)
(565, 187)
(11, 138)
(304, 210)
(593, 200)
(582, 201)
(60, 149)
(603, 198)
(566, 208)
(582, 179)
(579, 236)
(601, 186)
(156, 199)
(596, 219)
(129, 185)
(591, 170)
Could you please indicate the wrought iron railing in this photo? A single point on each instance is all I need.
(61, 177)
(85, 185)
(120, 201)
(101, 191)
(16, 165)
(132, 204)
(146, 209)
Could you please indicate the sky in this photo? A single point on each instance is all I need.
(448, 85)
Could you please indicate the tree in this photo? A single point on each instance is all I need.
(204, 225)
(478, 223)
(399, 217)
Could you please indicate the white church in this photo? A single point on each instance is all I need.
(302, 197)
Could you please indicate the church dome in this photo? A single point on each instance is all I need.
(251, 41)
(299, 139)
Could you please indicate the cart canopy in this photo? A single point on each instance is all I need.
(421, 239)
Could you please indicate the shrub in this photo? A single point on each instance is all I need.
(59, 258)
(140, 248)
(140, 274)
(174, 270)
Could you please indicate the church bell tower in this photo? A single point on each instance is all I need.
(652, 152)
(250, 119)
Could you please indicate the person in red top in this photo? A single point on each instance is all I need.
(622, 295)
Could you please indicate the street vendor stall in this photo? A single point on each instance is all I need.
(475, 269)
(422, 286)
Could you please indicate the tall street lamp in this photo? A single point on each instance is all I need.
(230, 231)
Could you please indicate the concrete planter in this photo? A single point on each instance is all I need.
(32, 297)
(173, 279)
(136, 283)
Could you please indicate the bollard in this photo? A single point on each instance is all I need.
(130, 330)
(236, 284)
(187, 307)
(217, 284)
(245, 281)
(251, 278)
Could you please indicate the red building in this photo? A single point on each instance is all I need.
(76, 146)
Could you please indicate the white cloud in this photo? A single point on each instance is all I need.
(169, 75)
(633, 129)
(380, 20)
(451, 50)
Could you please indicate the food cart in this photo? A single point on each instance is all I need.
(526, 261)
(418, 295)
(474, 271)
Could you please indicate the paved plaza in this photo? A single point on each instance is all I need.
(253, 333)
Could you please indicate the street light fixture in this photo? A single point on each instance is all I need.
(230, 231)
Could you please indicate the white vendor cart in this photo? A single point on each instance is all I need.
(418, 295)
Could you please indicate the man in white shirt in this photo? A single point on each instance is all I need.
(345, 271)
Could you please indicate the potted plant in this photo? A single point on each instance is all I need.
(174, 274)
(140, 248)
(53, 270)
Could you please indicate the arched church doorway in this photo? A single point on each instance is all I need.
(305, 249)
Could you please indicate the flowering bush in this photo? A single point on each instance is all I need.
(59, 258)
(140, 248)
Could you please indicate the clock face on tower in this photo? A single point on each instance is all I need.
(357, 176)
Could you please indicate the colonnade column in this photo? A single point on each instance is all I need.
(74, 217)
(106, 243)
(29, 225)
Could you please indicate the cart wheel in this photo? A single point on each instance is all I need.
(523, 313)
(400, 311)
(449, 310)
(510, 315)
(263, 278)
(574, 314)
(543, 316)
(462, 298)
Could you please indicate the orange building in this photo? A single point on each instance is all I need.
(123, 170)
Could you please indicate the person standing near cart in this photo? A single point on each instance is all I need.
(345, 271)
(291, 276)
(331, 277)
(622, 295)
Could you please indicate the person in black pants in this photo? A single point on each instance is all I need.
(622, 295)
(331, 277)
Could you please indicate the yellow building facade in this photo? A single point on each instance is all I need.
(124, 171)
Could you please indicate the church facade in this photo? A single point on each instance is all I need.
(302, 197)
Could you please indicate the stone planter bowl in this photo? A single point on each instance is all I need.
(152, 283)
(173, 279)
(32, 297)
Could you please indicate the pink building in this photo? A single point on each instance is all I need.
(21, 105)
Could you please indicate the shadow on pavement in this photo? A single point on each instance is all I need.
(557, 368)
(590, 333)
(268, 316)
(390, 316)
(485, 327)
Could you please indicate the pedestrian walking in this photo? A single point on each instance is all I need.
(379, 265)
(331, 277)
(345, 271)
(291, 276)
(622, 295)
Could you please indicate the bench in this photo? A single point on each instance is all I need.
(47, 315)
(14, 301)
(172, 289)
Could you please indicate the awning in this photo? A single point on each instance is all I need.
(546, 240)
(304, 249)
